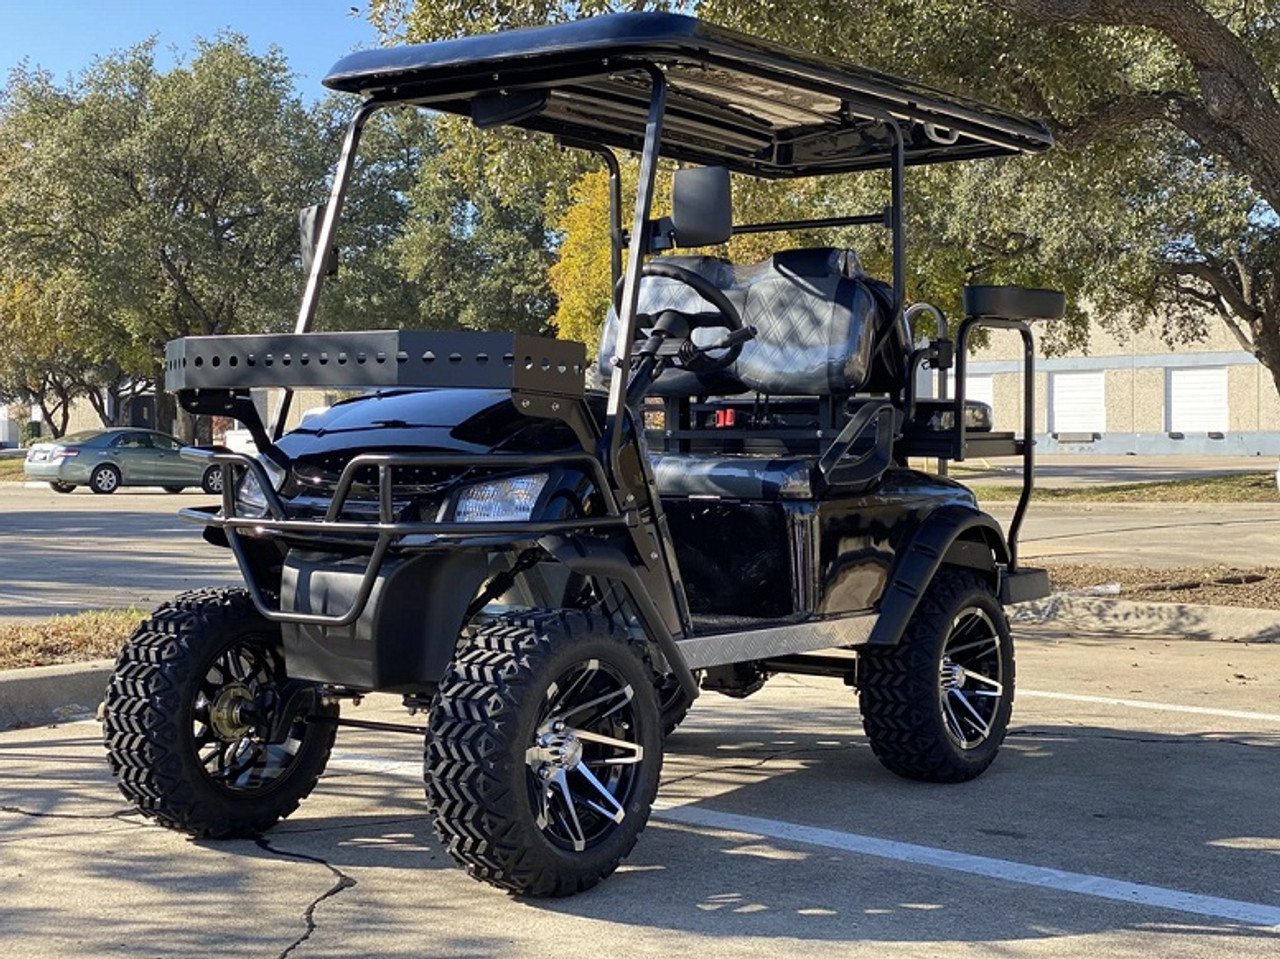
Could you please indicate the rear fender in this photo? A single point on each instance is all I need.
(950, 534)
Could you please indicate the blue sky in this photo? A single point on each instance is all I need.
(64, 36)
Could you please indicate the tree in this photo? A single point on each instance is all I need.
(479, 259)
(1160, 202)
(170, 199)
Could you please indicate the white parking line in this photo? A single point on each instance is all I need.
(1143, 704)
(1083, 884)
(32, 600)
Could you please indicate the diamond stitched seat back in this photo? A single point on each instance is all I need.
(658, 293)
(816, 316)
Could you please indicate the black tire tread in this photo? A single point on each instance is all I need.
(143, 724)
(467, 765)
(898, 689)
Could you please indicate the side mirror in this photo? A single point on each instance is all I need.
(309, 221)
(701, 206)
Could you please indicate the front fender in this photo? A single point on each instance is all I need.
(950, 534)
(406, 635)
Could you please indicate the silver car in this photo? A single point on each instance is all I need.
(105, 460)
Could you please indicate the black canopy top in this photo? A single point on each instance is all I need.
(755, 107)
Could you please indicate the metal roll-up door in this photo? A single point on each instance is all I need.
(1197, 400)
(1077, 402)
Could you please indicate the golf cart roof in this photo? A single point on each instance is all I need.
(732, 100)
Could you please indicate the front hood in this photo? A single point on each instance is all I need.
(462, 421)
(453, 421)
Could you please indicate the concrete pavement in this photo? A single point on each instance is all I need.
(1130, 813)
(1082, 470)
(1148, 534)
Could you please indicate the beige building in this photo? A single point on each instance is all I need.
(1135, 394)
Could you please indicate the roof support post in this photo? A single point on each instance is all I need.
(898, 215)
(324, 242)
(635, 258)
(615, 202)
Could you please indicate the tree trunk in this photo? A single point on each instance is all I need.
(184, 425)
(1266, 344)
(98, 399)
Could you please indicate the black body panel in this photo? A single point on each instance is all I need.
(827, 557)
(406, 636)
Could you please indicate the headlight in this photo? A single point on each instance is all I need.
(500, 501)
(250, 499)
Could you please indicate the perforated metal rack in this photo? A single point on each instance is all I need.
(379, 358)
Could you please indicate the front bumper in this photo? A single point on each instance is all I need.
(375, 603)
(382, 537)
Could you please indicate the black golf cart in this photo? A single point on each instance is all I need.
(554, 572)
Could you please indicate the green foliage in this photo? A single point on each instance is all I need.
(137, 206)
(479, 260)
(31, 432)
(581, 276)
(443, 19)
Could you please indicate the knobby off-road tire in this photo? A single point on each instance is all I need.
(176, 740)
(673, 703)
(936, 706)
(543, 752)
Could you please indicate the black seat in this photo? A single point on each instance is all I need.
(823, 329)
(733, 477)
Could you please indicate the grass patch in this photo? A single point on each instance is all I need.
(67, 639)
(11, 468)
(1227, 488)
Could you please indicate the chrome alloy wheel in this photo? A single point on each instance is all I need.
(584, 755)
(971, 679)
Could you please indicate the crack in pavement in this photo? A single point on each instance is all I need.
(1145, 740)
(308, 915)
(120, 814)
(361, 824)
(123, 816)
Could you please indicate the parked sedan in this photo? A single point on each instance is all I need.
(105, 460)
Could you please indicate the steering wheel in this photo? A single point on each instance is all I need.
(726, 315)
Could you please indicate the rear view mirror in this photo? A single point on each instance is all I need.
(310, 220)
(701, 206)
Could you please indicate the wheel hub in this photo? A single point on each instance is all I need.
(952, 674)
(232, 712)
(555, 750)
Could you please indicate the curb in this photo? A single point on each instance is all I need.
(40, 695)
(1096, 614)
(49, 694)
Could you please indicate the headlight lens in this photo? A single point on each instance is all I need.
(250, 499)
(500, 501)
